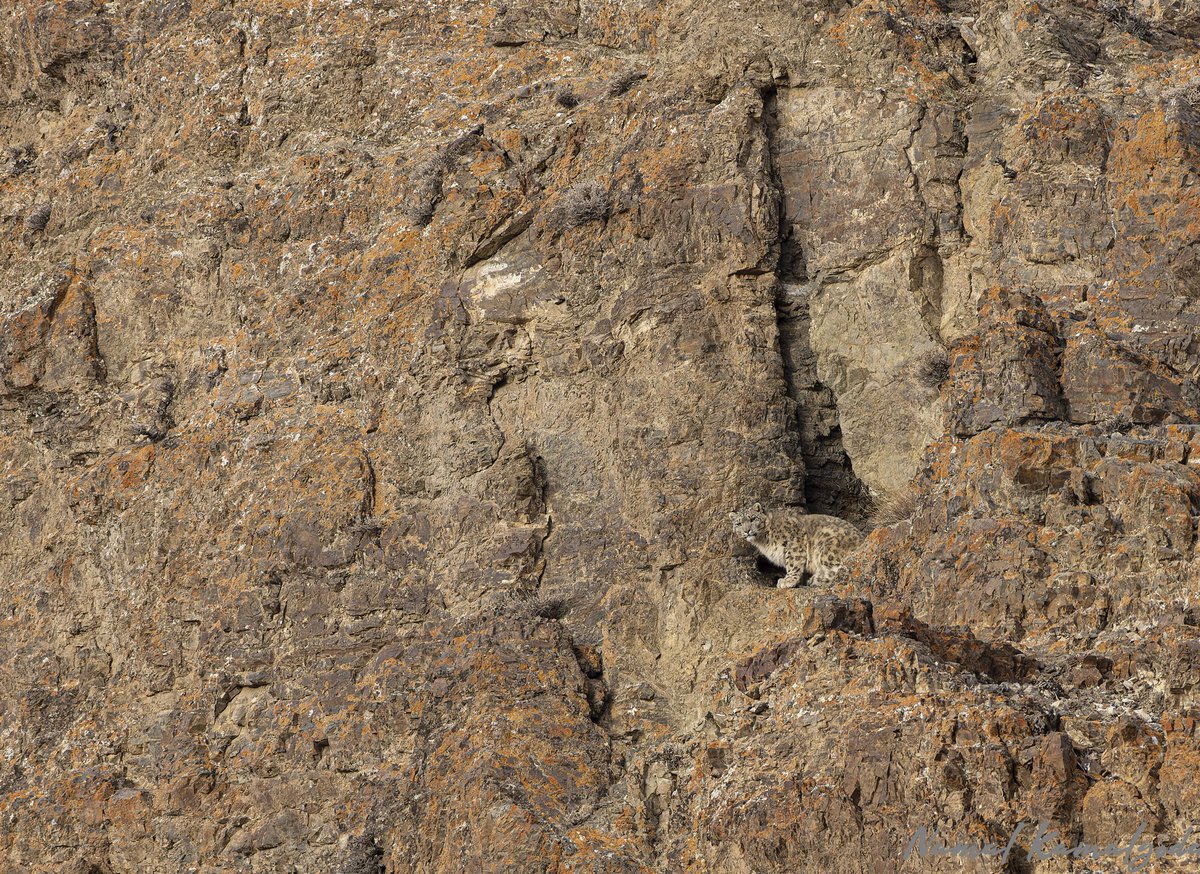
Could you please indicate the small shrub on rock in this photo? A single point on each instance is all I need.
(933, 369)
(546, 605)
(1121, 14)
(427, 181)
(582, 203)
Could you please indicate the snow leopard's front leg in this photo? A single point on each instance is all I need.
(795, 567)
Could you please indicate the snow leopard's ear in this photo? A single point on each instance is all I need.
(757, 507)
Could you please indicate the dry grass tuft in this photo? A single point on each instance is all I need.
(547, 605)
(427, 181)
(582, 203)
(1121, 14)
(894, 507)
(933, 369)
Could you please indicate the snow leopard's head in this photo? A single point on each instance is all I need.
(750, 522)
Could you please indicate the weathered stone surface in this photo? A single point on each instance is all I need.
(1008, 373)
(376, 379)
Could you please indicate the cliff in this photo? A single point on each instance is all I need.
(377, 376)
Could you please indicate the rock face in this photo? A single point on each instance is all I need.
(376, 377)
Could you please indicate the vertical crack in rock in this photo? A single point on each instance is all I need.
(541, 494)
(830, 486)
